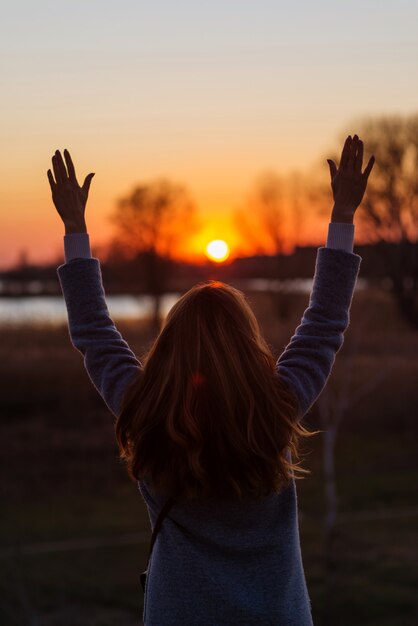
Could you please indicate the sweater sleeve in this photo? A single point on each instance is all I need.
(307, 361)
(109, 362)
(76, 246)
(341, 236)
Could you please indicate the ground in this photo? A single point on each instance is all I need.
(75, 531)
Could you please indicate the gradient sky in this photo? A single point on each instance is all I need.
(209, 94)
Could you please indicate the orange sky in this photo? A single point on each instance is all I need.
(202, 93)
(217, 188)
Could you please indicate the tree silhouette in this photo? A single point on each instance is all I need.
(263, 222)
(262, 219)
(152, 221)
(340, 395)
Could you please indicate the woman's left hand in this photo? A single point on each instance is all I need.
(69, 198)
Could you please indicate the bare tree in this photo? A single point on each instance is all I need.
(264, 219)
(297, 191)
(388, 215)
(340, 395)
(149, 221)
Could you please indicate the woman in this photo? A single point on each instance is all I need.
(210, 421)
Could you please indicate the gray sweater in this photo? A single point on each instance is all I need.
(238, 563)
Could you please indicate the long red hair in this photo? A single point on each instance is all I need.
(208, 415)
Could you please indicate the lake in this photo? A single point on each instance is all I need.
(51, 309)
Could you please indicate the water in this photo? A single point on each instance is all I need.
(51, 309)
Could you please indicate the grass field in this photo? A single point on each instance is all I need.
(75, 531)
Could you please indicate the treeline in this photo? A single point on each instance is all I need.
(132, 276)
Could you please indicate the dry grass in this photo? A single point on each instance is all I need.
(61, 479)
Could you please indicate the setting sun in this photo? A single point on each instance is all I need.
(217, 250)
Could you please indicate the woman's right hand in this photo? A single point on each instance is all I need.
(68, 196)
(348, 182)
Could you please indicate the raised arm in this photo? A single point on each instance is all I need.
(108, 359)
(307, 360)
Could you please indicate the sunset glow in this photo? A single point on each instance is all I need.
(217, 250)
(188, 91)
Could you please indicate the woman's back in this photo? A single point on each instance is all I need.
(229, 563)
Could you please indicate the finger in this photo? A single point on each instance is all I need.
(345, 152)
(57, 171)
(87, 182)
(369, 167)
(61, 165)
(332, 169)
(352, 153)
(358, 163)
(70, 166)
(52, 182)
